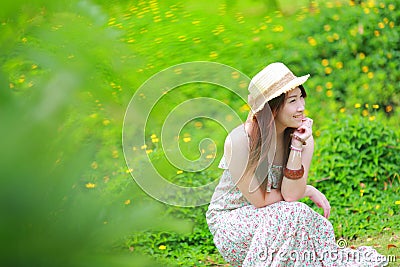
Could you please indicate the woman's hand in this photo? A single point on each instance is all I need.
(305, 130)
(319, 199)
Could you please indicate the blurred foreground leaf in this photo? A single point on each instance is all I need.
(48, 216)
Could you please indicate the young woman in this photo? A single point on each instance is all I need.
(254, 215)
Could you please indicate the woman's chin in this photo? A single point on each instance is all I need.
(296, 125)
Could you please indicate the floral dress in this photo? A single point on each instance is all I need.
(281, 234)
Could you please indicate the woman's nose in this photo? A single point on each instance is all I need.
(301, 106)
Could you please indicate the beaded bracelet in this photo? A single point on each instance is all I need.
(298, 138)
(293, 174)
(295, 148)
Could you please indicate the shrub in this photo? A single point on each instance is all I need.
(355, 150)
(356, 166)
(352, 53)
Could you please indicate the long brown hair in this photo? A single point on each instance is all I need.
(262, 136)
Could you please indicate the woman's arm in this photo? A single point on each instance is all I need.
(319, 199)
(237, 156)
(293, 190)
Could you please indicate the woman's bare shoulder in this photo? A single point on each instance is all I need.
(237, 141)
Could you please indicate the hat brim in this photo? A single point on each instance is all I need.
(261, 100)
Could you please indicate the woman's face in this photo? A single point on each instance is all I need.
(292, 112)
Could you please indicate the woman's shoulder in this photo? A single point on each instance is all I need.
(237, 141)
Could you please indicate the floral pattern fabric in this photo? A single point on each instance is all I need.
(281, 234)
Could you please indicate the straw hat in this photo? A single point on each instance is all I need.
(271, 82)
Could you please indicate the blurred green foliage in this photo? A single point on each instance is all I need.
(56, 60)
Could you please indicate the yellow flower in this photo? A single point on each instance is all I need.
(269, 46)
(329, 85)
(327, 28)
(325, 62)
(391, 24)
(381, 25)
(162, 247)
(187, 139)
(154, 140)
(377, 206)
(94, 165)
(342, 110)
(377, 33)
(365, 113)
(243, 84)
(277, 28)
(312, 41)
(111, 21)
(370, 75)
(196, 40)
(129, 170)
(90, 185)
(21, 79)
(24, 40)
(365, 69)
(115, 154)
(157, 19)
(179, 171)
(213, 54)
(244, 108)
(397, 202)
(391, 7)
(361, 55)
(127, 202)
(106, 122)
(198, 124)
(148, 151)
(339, 65)
(235, 75)
(375, 106)
(358, 105)
(319, 88)
(388, 108)
(329, 93)
(328, 70)
(362, 192)
(372, 118)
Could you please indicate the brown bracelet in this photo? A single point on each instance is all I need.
(298, 138)
(293, 174)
